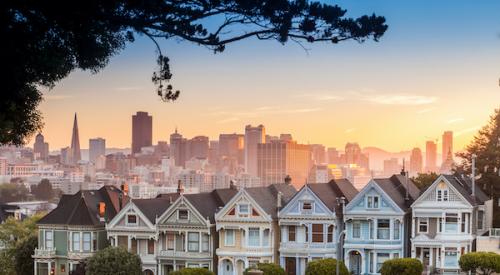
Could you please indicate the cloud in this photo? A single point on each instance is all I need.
(455, 120)
(394, 99)
(466, 130)
(320, 96)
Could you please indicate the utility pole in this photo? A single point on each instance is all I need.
(341, 204)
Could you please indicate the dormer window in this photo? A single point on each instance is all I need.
(372, 202)
(442, 193)
(307, 206)
(182, 214)
(131, 219)
(244, 210)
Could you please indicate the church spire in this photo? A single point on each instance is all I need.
(75, 143)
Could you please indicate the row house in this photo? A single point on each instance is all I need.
(377, 223)
(75, 229)
(446, 219)
(248, 228)
(309, 224)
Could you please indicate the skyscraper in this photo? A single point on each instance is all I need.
(447, 145)
(416, 161)
(198, 147)
(76, 155)
(178, 148)
(318, 153)
(353, 155)
(333, 155)
(430, 156)
(41, 148)
(142, 131)
(253, 136)
(391, 167)
(97, 147)
(232, 146)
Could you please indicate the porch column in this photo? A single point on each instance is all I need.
(35, 265)
(129, 243)
(413, 221)
(391, 229)
(49, 265)
(261, 236)
(431, 256)
(467, 223)
(185, 241)
(363, 259)
(443, 222)
(200, 242)
(297, 266)
(158, 270)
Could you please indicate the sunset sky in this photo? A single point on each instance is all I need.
(436, 69)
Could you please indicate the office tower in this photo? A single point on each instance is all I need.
(76, 155)
(232, 146)
(333, 156)
(353, 155)
(253, 136)
(391, 167)
(430, 156)
(318, 153)
(213, 152)
(286, 137)
(41, 148)
(178, 148)
(198, 147)
(447, 145)
(142, 131)
(66, 156)
(97, 147)
(277, 159)
(416, 161)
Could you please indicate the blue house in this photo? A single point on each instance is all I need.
(378, 224)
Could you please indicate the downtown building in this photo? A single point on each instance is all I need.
(142, 131)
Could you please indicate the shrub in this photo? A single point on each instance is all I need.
(325, 267)
(192, 271)
(406, 266)
(268, 269)
(484, 262)
(114, 260)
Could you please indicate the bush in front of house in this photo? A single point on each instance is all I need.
(325, 267)
(484, 263)
(192, 271)
(406, 266)
(267, 268)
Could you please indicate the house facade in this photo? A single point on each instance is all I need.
(309, 224)
(248, 229)
(377, 224)
(446, 219)
(75, 230)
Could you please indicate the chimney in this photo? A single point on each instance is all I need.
(288, 179)
(102, 210)
(120, 201)
(124, 188)
(180, 187)
(279, 199)
(232, 185)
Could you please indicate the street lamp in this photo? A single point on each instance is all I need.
(340, 204)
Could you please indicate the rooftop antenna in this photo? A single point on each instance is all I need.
(405, 174)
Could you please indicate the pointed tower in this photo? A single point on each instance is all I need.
(75, 143)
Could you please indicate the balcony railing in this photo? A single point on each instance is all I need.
(295, 245)
(184, 254)
(79, 255)
(45, 252)
(495, 232)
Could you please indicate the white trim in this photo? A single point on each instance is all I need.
(296, 199)
(233, 202)
(433, 187)
(361, 196)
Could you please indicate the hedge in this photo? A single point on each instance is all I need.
(483, 262)
(406, 266)
(325, 267)
(267, 268)
(192, 271)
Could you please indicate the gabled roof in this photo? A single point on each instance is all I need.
(395, 187)
(153, 208)
(267, 197)
(82, 207)
(464, 187)
(328, 192)
(207, 204)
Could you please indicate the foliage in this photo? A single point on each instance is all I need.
(268, 269)
(406, 266)
(43, 190)
(114, 260)
(325, 267)
(486, 147)
(192, 271)
(424, 180)
(484, 262)
(23, 260)
(14, 235)
(10, 192)
(44, 44)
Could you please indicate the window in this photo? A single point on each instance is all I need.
(131, 219)
(450, 257)
(480, 218)
(356, 229)
(62, 267)
(170, 241)
(151, 246)
(317, 233)
(243, 209)
(229, 237)
(396, 229)
(76, 241)
(182, 214)
(253, 237)
(383, 229)
(133, 245)
(442, 192)
(94, 242)
(395, 255)
(193, 242)
(463, 225)
(49, 239)
(381, 258)
(205, 242)
(87, 241)
(265, 238)
(372, 229)
(307, 206)
(330, 234)
(307, 234)
(291, 233)
(372, 202)
(423, 225)
(451, 223)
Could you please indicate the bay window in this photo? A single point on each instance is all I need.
(356, 229)
(396, 229)
(317, 233)
(193, 241)
(229, 237)
(49, 239)
(253, 237)
(291, 233)
(76, 241)
(205, 242)
(87, 241)
(451, 223)
(383, 229)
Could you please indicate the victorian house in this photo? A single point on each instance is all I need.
(75, 230)
(248, 227)
(309, 224)
(377, 223)
(446, 219)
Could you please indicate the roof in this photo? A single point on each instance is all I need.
(464, 187)
(209, 203)
(5, 213)
(153, 208)
(396, 186)
(267, 197)
(82, 207)
(330, 191)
